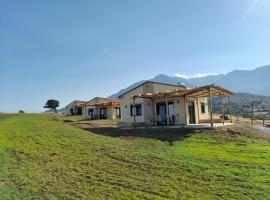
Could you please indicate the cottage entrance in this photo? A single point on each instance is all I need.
(79, 110)
(191, 112)
(117, 113)
(103, 113)
(71, 111)
(91, 113)
(162, 113)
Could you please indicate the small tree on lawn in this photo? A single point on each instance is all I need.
(52, 104)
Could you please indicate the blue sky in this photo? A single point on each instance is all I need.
(69, 49)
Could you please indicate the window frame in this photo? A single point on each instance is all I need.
(137, 107)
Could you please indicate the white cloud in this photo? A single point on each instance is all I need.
(199, 75)
(203, 75)
(181, 76)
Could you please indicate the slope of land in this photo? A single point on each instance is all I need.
(42, 157)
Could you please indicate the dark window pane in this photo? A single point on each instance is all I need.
(138, 109)
(202, 107)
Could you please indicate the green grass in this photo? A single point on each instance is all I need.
(72, 118)
(44, 158)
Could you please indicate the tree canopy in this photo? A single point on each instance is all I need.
(52, 104)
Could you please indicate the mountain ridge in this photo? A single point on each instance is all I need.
(254, 81)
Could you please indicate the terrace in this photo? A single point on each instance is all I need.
(190, 95)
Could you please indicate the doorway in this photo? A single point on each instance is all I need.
(71, 111)
(162, 112)
(117, 113)
(91, 113)
(191, 112)
(103, 113)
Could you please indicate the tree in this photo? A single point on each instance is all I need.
(21, 111)
(52, 104)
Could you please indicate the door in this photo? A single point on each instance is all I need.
(103, 113)
(79, 111)
(91, 113)
(161, 113)
(161, 109)
(118, 113)
(71, 111)
(171, 113)
(191, 112)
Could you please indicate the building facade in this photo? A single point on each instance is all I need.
(149, 108)
(102, 108)
(75, 108)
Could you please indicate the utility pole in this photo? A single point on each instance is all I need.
(252, 114)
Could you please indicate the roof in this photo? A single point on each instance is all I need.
(150, 82)
(76, 103)
(192, 93)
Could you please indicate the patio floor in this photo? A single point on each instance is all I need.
(192, 126)
(207, 125)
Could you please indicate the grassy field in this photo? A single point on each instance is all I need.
(41, 157)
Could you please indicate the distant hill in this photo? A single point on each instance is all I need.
(240, 81)
(60, 110)
(242, 105)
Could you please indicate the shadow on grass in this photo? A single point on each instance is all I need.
(163, 134)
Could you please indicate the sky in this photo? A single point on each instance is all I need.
(69, 50)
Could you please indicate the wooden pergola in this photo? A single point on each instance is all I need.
(190, 94)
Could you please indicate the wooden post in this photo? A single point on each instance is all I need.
(263, 121)
(97, 109)
(198, 111)
(230, 108)
(154, 111)
(185, 110)
(167, 112)
(211, 110)
(221, 108)
(134, 112)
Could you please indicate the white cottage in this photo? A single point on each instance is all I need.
(102, 108)
(153, 103)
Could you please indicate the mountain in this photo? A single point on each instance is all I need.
(207, 80)
(240, 81)
(162, 78)
(61, 110)
(248, 81)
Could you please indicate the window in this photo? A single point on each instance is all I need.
(202, 107)
(137, 111)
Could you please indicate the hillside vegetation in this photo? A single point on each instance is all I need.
(41, 157)
(242, 105)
